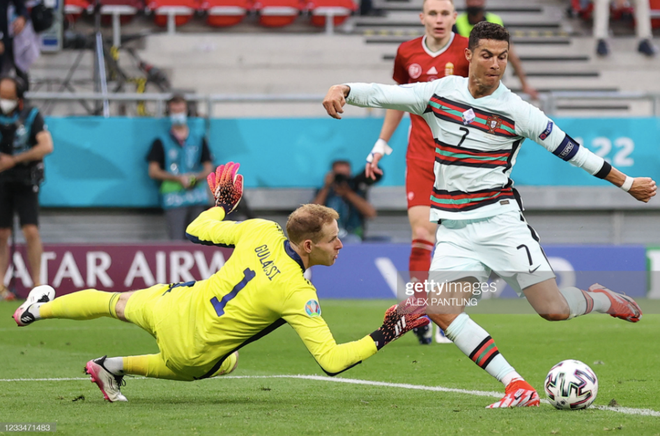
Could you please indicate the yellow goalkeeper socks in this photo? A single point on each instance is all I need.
(151, 365)
(87, 304)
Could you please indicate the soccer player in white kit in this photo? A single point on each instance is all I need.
(478, 125)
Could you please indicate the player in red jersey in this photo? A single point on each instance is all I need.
(437, 54)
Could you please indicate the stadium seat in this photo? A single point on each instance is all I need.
(277, 13)
(330, 13)
(172, 13)
(121, 12)
(73, 9)
(586, 10)
(224, 13)
(655, 13)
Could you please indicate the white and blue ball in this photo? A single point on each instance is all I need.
(571, 385)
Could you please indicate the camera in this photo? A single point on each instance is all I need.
(342, 178)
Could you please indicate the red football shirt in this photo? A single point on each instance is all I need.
(414, 62)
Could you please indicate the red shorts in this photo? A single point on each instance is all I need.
(419, 182)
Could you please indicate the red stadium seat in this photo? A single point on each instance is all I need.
(337, 10)
(224, 13)
(586, 10)
(277, 13)
(119, 12)
(172, 13)
(73, 9)
(655, 13)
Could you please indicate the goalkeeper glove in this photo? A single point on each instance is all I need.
(227, 186)
(396, 323)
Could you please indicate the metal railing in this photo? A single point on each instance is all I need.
(160, 99)
(549, 101)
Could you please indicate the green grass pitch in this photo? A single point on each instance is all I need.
(623, 355)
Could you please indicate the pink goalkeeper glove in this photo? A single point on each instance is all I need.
(227, 186)
(398, 321)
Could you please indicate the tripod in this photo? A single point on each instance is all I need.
(107, 69)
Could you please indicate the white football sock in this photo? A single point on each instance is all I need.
(476, 343)
(582, 302)
(34, 310)
(115, 365)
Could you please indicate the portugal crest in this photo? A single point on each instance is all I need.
(493, 123)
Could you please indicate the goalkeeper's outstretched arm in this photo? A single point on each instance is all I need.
(336, 358)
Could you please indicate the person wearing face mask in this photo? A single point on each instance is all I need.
(179, 159)
(475, 11)
(24, 141)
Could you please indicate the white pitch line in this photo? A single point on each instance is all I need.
(42, 379)
(624, 410)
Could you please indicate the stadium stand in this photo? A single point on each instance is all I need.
(298, 59)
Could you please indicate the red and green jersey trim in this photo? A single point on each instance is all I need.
(459, 201)
(488, 122)
(462, 156)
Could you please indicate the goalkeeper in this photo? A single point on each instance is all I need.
(199, 326)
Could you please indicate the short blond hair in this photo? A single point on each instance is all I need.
(307, 222)
(450, 1)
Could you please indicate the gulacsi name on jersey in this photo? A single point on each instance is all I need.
(269, 267)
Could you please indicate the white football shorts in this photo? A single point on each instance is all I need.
(503, 243)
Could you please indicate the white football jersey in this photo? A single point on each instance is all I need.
(477, 141)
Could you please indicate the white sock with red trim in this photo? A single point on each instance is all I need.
(476, 343)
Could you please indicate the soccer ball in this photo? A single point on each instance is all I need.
(571, 384)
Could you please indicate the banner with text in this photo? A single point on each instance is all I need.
(362, 271)
(120, 268)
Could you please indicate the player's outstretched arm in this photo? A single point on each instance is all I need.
(336, 358)
(209, 228)
(335, 100)
(642, 188)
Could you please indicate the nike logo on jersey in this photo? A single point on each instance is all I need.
(534, 270)
(432, 71)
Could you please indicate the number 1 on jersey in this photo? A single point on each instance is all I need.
(219, 306)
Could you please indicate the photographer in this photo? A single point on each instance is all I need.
(24, 142)
(348, 196)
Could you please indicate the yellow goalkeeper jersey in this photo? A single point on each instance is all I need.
(260, 288)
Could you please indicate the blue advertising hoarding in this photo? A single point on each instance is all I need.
(376, 270)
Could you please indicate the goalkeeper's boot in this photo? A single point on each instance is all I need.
(440, 337)
(622, 306)
(424, 334)
(109, 383)
(41, 294)
(518, 393)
